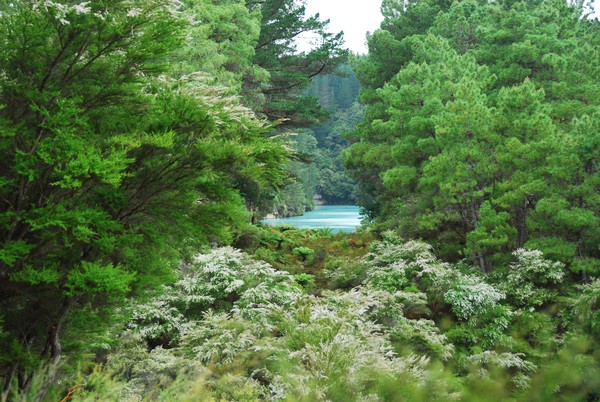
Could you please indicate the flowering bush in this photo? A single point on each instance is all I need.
(224, 279)
(476, 303)
(393, 250)
(229, 313)
(393, 265)
(219, 338)
(480, 365)
(389, 277)
(424, 338)
(226, 276)
(470, 297)
(530, 279)
(159, 322)
(331, 347)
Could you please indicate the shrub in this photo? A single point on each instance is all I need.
(391, 277)
(586, 306)
(422, 337)
(223, 279)
(304, 252)
(481, 364)
(470, 297)
(530, 279)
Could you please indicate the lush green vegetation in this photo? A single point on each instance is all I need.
(356, 319)
(481, 129)
(319, 167)
(128, 143)
(143, 139)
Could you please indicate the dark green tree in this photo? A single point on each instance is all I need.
(289, 70)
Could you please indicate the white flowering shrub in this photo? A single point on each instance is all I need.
(130, 350)
(386, 309)
(345, 368)
(409, 266)
(479, 366)
(423, 337)
(145, 372)
(330, 347)
(419, 286)
(211, 278)
(160, 365)
(390, 277)
(470, 297)
(318, 320)
(475, 303)
(392, 250)
(531, 278)
(227, 276)
(219, 338)
(158, 321)
(231, 314)
(224, 280)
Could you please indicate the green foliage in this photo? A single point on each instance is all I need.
(280, 98)
(492, 233)
(129, 144)
(304, 252)
(586, 306)
(474, 133)
(117, 160)
(305, 280)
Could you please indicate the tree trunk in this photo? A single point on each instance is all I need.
(54, 349)
(481, 262)
(581, 254)
(480, 258)
(521, 215)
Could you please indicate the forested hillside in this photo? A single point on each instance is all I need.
(338, 94)
(318, 169)
(143, 140)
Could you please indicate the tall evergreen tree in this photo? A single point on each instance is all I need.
(290, 71)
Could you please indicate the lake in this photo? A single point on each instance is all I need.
(339, 218)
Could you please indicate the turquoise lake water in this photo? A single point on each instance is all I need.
(339, 218)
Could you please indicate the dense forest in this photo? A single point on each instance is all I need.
(143, 141)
